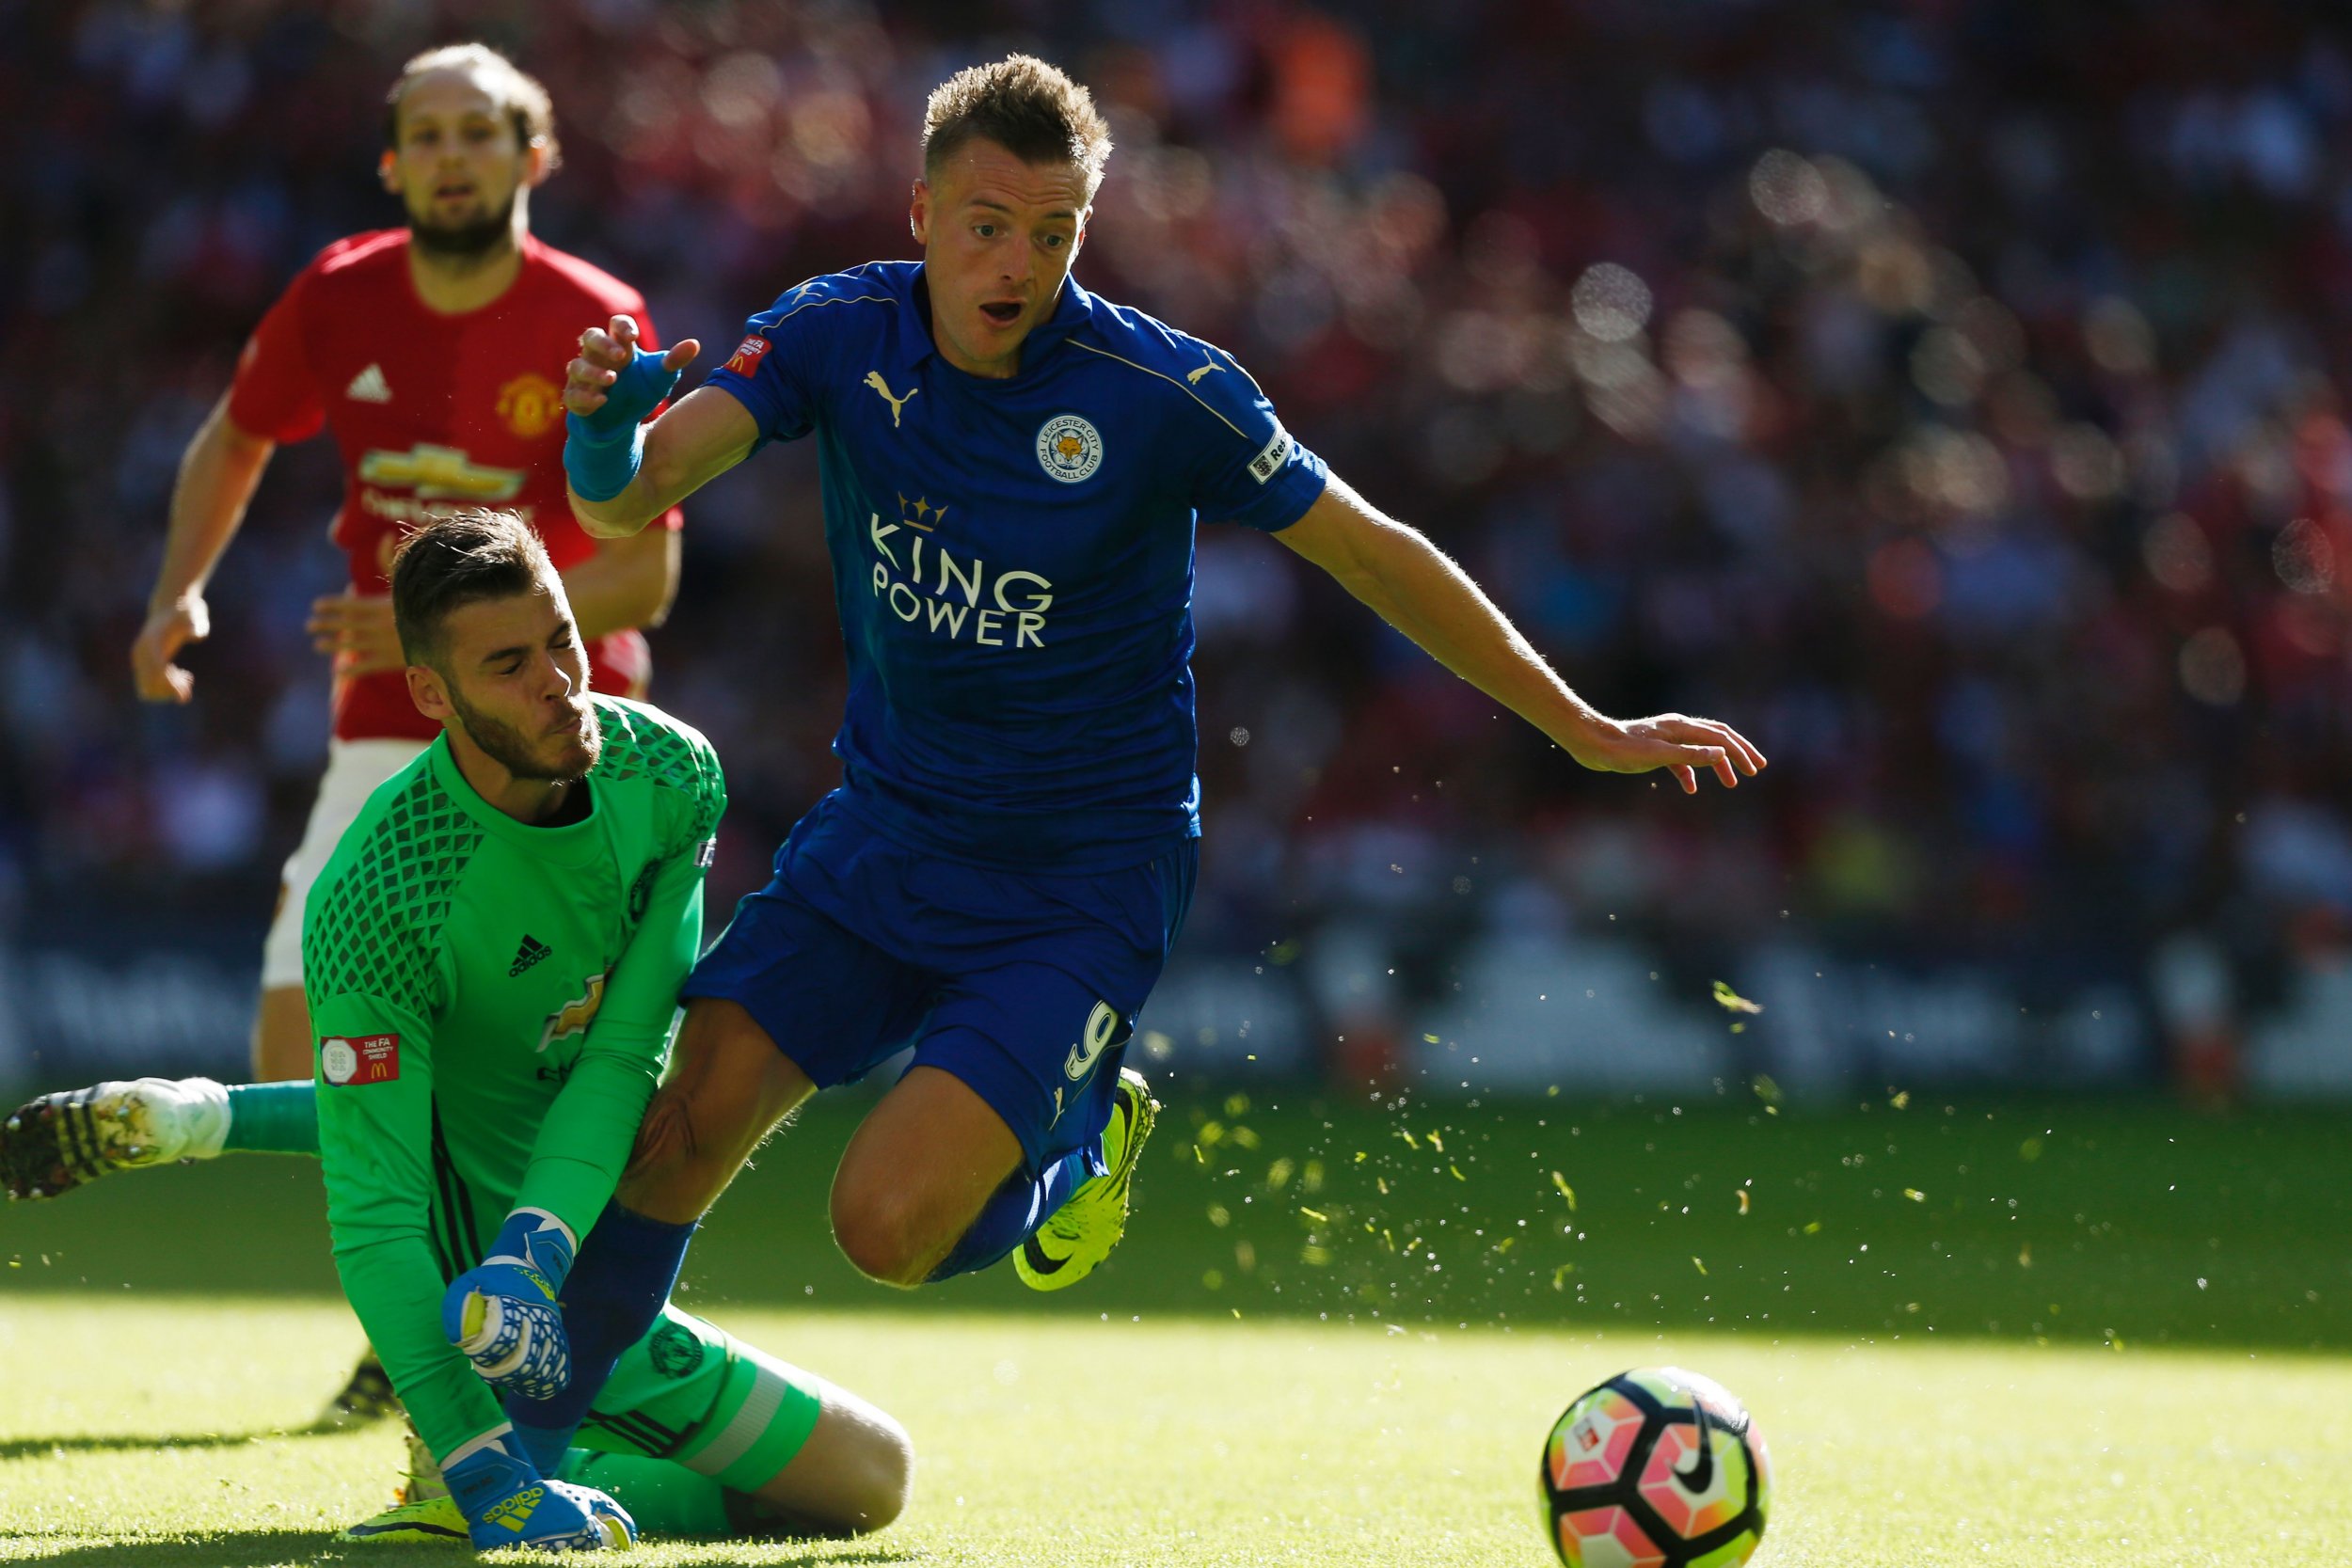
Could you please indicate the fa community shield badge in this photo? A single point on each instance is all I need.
(1068, 448)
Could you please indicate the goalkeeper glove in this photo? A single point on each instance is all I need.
(507, 1503)
(505, 1315)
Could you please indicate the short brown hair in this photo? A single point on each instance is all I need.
(1024, 106)
(524, 98)
(455, 560)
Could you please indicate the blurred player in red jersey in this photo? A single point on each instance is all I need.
(436, 354)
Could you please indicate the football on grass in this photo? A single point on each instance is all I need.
(1655, 1468)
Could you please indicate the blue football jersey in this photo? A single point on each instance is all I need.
(1013, 559)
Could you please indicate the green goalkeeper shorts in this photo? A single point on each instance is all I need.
(690, 1392)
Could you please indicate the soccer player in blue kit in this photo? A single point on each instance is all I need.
(1012, 468)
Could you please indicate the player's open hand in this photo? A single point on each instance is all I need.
(169, 629)
(605, 352)
(1681, 745)
(358, 630)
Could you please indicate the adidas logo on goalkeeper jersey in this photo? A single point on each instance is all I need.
(530, 953)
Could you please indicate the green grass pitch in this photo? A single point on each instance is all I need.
(1288, 1364)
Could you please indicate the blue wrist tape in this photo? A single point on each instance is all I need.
(602, 451)
(602, 468)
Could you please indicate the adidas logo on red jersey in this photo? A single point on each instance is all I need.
(368, 386)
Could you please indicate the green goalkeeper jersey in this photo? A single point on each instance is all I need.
(491, 1002)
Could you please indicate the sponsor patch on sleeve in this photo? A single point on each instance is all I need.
(1269, 459)
(360, 1058)
(748, 354)
(705, 852)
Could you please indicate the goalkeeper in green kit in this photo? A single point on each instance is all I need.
(493, 957)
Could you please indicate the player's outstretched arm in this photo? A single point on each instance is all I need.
(1421, 592)
(218, 475)
(624, 472)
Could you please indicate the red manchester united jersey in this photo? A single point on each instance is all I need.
(434, 414)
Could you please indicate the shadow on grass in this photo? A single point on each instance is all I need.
(124, 1442)
(2018, 1220)
(40, 1447)
(230, 1549)
(785, 1554)
(263, 1548)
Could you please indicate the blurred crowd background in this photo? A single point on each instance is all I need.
(1948, 394)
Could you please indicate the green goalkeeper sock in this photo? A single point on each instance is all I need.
(664, 1498)
(274, 1119)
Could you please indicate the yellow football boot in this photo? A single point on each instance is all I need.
(1083, 1230)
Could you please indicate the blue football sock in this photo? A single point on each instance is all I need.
(1012, 1215)
(544, 1445)
(619, 1286)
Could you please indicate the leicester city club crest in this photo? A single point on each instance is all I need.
(1068, 448)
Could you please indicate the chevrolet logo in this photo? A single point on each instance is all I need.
(575, 1016)
(439, 474)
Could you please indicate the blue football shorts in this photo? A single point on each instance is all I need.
(1024, 986)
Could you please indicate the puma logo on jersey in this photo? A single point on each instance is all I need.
(1194, 376)
(368, 386)
(874, 379)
